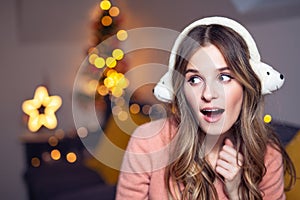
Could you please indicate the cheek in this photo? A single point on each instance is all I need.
(190, 94)
(234, 99)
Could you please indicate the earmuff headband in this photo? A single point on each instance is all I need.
(271, 80)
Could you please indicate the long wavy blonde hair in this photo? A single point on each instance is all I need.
(250, 134)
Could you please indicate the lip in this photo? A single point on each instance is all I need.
(212, 114)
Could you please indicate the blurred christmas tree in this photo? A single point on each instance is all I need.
(100, 88)
(103, 78)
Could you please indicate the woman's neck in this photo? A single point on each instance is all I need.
(212, 146)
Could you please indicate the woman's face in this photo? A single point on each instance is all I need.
(212, 92)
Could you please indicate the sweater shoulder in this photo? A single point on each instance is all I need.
(153, 135)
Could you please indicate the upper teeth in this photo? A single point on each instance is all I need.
(210, 110)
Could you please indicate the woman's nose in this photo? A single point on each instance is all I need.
(209, 93)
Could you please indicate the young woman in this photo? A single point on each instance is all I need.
(215, 144)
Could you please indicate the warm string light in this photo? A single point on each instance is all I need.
(59, 134)
(106, 21)
(115, 82)
(267, 118)
(102, 90)
(118, 54)
(122, 35)
(99, 62)
(134, 108)
(55, 154)
(46, 156)
(146, 109)
(35, 162)
(122, 113)
(110, 61)
(71, 157)
(53, 141)
(105, 5)
(82, 132)
(114, 11)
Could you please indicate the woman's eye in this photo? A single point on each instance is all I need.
(225, 78)
(195, 80)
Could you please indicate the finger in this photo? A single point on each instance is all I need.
(223, 172)
(229, 147)
(232, 152)
(229, 150)
(227, 175)
(223, 155)
(227, 166)
(229, 142)
(231, 157)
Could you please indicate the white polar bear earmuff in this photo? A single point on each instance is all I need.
(271, 80)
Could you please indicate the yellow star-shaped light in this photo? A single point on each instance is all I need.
(49, 104)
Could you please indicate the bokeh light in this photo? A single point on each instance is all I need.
(99, 62)
(92, 85)
(53, 141)
(102, 90)
(123, 116)
(111, 62)
(105, 5)
(71, 157)
(122, 82)
(122, 35)
(120, 101)
(110, 72)
(116, 110)
(109, 82)
(114, 11)
(93, 50)
(117, 91)
(46, 156)
(82, 132)
(134, 108)
(60, 134)
(55, 154)
(146, 109)
(267, 118)
(106, 21)
(92, 58)
(118, 54)
(35, 162)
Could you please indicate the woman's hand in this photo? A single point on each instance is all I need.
(230, 168)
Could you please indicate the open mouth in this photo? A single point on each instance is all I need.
(210, 112)
(212, 115)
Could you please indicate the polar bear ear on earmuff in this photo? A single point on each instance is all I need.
(271, 80)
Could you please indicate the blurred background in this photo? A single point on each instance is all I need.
(50, 42)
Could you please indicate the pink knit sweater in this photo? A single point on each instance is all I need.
(142, 173)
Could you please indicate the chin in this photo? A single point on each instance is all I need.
(212, 132)
(214, 129)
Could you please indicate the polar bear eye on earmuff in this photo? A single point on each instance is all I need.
(271, 80)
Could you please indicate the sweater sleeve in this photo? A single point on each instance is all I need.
(134, 178)
(146, 154)
(272, 185)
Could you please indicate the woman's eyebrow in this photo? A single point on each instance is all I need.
(191, 71)
(196, 71)
(223, 69)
